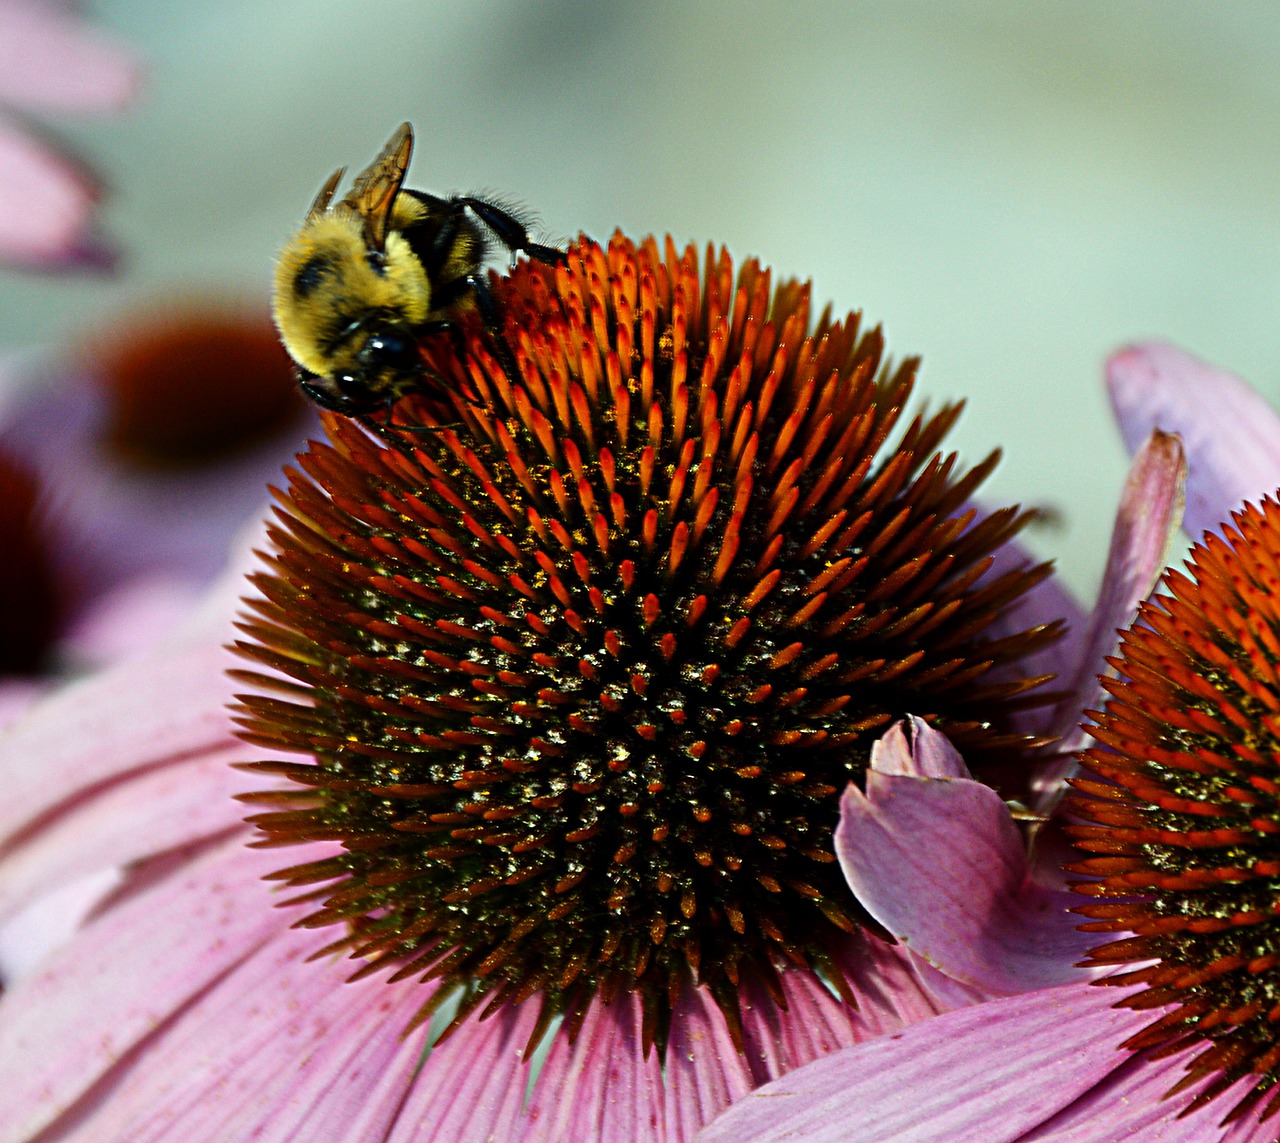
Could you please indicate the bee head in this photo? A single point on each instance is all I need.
(344, 309)
(385, 364)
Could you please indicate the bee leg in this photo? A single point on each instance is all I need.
(488, 308)
(509, 230)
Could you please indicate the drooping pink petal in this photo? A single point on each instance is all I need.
(991, 1072)
(137, 817)
(705, 1072)
(813, 1022)
(965, 902)
(1146, 523)
(136, 964)
(47, 203)
(51, 60)
(1231, 435)
(153, 710)
(277, 1051)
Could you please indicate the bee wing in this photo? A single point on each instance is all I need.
(376, 187)
(325, 196)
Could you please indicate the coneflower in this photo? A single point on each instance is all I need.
(1187, 861)
(584, 673)
(567, 660)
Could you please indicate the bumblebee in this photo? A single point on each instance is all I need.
(366, 277)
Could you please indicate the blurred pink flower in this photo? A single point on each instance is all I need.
(125, 478)
(1048, 1063)
(50, 61)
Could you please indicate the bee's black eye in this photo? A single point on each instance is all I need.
(355, 391)
(389, 347)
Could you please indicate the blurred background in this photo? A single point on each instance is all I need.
(1012, 189)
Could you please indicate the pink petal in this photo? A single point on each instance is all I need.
(705, 1072)
(51, 60)
(132, 617)
(473, 1085)
(991, 1072)
(129, 821)
(603, 1087)
(924, 753)
(1047, 602)
(130, 970)
(1146, 524)
(963, 902)
(153, 710)
(1231, 435)
(47, 203)
(30, 935)
(278, 1051)
(1130, 1104)
(17, 696)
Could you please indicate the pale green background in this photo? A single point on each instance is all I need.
(1013, 189)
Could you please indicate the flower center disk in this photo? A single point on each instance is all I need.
(589, 636)
(1188, 862)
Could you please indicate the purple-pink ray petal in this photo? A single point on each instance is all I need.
(277, 1051)
(991, 1072)
(965, 903)
(455, 1097)
(1231, 435)
(51, 60)
(128, 821)
(705, 1073)
(1146, 524)
(166, 939)
(1129, 1103)
(153, 710)
(604, 1086)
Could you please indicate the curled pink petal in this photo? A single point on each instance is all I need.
(1146, 524)
(50, 60)
(1230, 434)
(965, 903)
(924, 753)
(1029, 1057)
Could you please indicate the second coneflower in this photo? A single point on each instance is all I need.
(585, 642)
(1187, 861)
